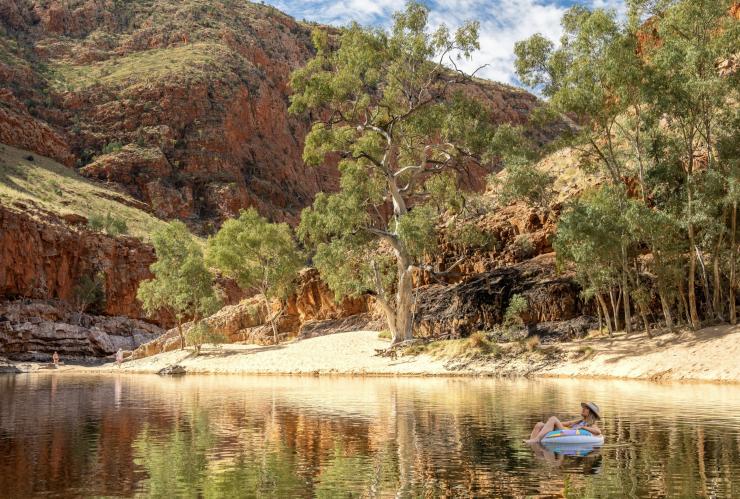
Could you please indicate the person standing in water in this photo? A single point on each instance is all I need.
(119, 357)
(55, 359)
(590, 415)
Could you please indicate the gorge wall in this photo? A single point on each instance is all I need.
(183, 104)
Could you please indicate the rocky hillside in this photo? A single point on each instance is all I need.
(182, 104)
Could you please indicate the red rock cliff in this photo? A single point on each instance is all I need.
(183, 104)
(42, 257)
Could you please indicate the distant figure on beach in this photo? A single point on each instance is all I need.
(55, 359)
(119, 357)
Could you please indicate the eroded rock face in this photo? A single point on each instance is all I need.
(44, 257)
(315, 301)
(479, 301)
(35, 329)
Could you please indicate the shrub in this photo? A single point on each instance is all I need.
(112, 225)
(524, 182)
(96, 222)
(115, 226)
(518, 305)
(89, 293)
(111, 147)
(201, 332)
(523, 247)
(532, 343)
(479, 341)
(470, 236)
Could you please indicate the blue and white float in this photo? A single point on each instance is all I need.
(572, 437)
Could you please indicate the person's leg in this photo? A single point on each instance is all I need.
(536, 430)
(552, 424)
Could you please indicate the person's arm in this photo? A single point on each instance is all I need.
(571, 422)
(594, 430)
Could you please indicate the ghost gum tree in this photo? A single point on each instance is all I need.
(660, 121)
(391, 106)
(261, 256)
(182, 284)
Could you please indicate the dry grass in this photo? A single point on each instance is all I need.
(476, 345)
(532, 343)
(384, 335)
(583, 353)
(192, 60)
(56, 188)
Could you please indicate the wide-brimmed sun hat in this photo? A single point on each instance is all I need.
(593, 408)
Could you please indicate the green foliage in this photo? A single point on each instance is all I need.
(522, 247)
(652, 103)
(260, 255)
(201, 332)
(89, 293)
(444, 192)
(593, 233)
(524, 182)
(518, 306)
(417, 231)
(469, 235)
(395, 118)
(347, 268)
(182, 284)
(112, 225)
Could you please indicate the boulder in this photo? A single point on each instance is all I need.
(175, 370)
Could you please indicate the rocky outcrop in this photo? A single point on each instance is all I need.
(479, 301)
(35, 329)
(44, 257)
(314, 301)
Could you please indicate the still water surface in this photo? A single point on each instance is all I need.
(231, 436)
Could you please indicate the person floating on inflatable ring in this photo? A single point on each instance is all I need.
(590, 415)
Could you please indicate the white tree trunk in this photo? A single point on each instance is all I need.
(404, 303)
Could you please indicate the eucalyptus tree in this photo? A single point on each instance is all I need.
(182, 285)
(653, 112)
(393, 106)
(260, 255)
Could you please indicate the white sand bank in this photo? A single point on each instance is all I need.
(711, 354)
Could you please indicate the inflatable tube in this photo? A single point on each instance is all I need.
(570, 437)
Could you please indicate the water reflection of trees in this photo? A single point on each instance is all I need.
(198, 438)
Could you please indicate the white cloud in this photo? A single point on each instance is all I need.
(502, 22)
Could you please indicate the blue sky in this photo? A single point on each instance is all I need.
(503, 22)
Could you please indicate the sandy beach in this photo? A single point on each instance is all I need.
(707, 355)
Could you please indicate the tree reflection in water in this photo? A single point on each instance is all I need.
(302, 437)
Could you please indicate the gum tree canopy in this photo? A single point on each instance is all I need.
(392, 106)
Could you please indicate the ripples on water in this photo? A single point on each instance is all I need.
(230, 436)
